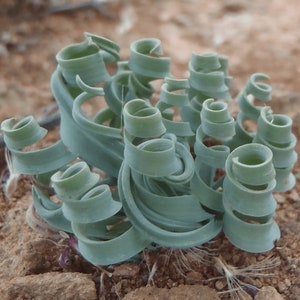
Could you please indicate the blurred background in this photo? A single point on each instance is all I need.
(257, 36)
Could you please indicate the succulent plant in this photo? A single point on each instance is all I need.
(178, 169)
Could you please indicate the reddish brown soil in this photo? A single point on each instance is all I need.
(257, 36)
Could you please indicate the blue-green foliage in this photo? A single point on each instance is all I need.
(178, 169)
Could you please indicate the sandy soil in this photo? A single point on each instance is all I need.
(257, 36)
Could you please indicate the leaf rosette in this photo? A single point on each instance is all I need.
(178, 169)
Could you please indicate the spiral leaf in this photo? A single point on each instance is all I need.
(254, 90)
(216, 120)
(247, 198)
(217, 125)
(89, 211)
(169, 98)
(166, 230)
(208, 79)
(109, 48)
(208, 76)
(275, 131)
(87, 59)
(104, 115)
(113, 251)
(118, 90)
(150, 169)
(242, 135)
(18, 135)
(142, 120)
(146, 61)
(83, 200)
(82, 136)
(50, 211)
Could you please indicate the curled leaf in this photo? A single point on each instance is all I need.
(254, 90)
(216, 120)
(155, 173)
(208, 79)
(218, 126)
(247, 198)
(82, 136)
(208, 76)
(146, 61)
(74, 181)
(103, 116)
(113, 251)
(142, 120)
(83, 201)
(275, 131)
(87, 59)
(26, 132)
(174, 93)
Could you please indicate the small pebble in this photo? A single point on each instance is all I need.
(281, 287)
(294, 195)
(193, 276)
(220, 285)
(129, 270)
(268, 293)
(279, 198)
(287, 282)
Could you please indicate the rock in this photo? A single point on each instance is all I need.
(128, 270)
(295, 292)
(53, 285)
(182, 292)
(268, 293)
(27, 257)
(281, 287)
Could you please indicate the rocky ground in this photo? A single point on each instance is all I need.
(257, 36)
